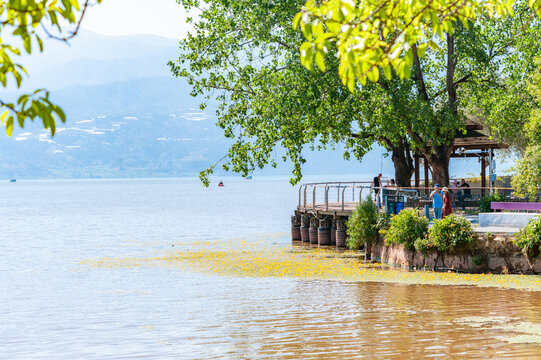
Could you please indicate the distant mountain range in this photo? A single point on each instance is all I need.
(128, 117)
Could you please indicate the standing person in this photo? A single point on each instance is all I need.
(376, 185)
(447, 203)
(466, 192)
(437, 201)
(455, 192)
(464, 184)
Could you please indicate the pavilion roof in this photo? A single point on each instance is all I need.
(475, 139)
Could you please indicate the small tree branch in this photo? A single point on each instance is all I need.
(74, 32)
(451, 66)
(421, 87)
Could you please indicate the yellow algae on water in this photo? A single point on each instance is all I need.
(255, 259)
(517, 332)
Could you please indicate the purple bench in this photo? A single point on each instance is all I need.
(528, 206)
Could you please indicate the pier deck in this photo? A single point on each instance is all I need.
(330, 209)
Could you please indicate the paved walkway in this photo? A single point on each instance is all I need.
(474, 220)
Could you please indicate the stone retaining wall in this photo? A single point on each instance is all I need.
(495, 253)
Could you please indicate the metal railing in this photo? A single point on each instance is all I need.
(327, 187)
(417, 195)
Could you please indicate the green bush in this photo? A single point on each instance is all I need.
(529, 238)
(424, 246)
(362, 225)
(452, 234)
(406, 228)
(384, 221)
(484, 205)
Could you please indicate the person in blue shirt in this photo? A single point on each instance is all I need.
(437, 201)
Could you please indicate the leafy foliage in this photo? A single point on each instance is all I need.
(20, 19)
(527, 181)
(476, 53)
(384, 222)
(424, 245)
(451, 234)
(529, 238)
(372, 34)
(406, 228)
(362, 225)
(484, 205)
(246, 54)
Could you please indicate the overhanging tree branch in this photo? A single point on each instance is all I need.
(74, 32)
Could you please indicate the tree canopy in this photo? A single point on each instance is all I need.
(374, 35)
(22, 26)
(527, 181)
(246, 54)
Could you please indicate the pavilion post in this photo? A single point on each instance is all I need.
(483, 175)
(491, 169)
(427, 185)
(417, 174)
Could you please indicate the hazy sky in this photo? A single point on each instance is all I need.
(122, 17)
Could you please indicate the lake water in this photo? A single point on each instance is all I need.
(52, 307)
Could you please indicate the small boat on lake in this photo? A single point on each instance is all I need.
(12, 180)
(249, 177)
(221, 184)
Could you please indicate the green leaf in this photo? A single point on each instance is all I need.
(9, 125)
(27, 44)
(387, 71)
(320, 59)
(40, 43)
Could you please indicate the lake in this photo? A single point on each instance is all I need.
(53, 306)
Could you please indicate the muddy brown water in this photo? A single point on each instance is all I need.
(319, 319)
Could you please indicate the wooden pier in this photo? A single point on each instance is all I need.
(323, 208)
(324, 222)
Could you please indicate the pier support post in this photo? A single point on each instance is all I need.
(314, 224)
(305, 225)
(341, 232)
(324, 231)
(296, 228)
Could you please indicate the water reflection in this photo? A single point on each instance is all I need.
(330, 319)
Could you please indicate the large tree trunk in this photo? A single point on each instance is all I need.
(403, 164)
(438, 159)
(438, 156)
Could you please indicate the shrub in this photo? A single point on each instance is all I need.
(362, 225)
(406, 228)
(424, 246)
(484, 205)
(452, 234)
(529, 238)
(384, 222)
